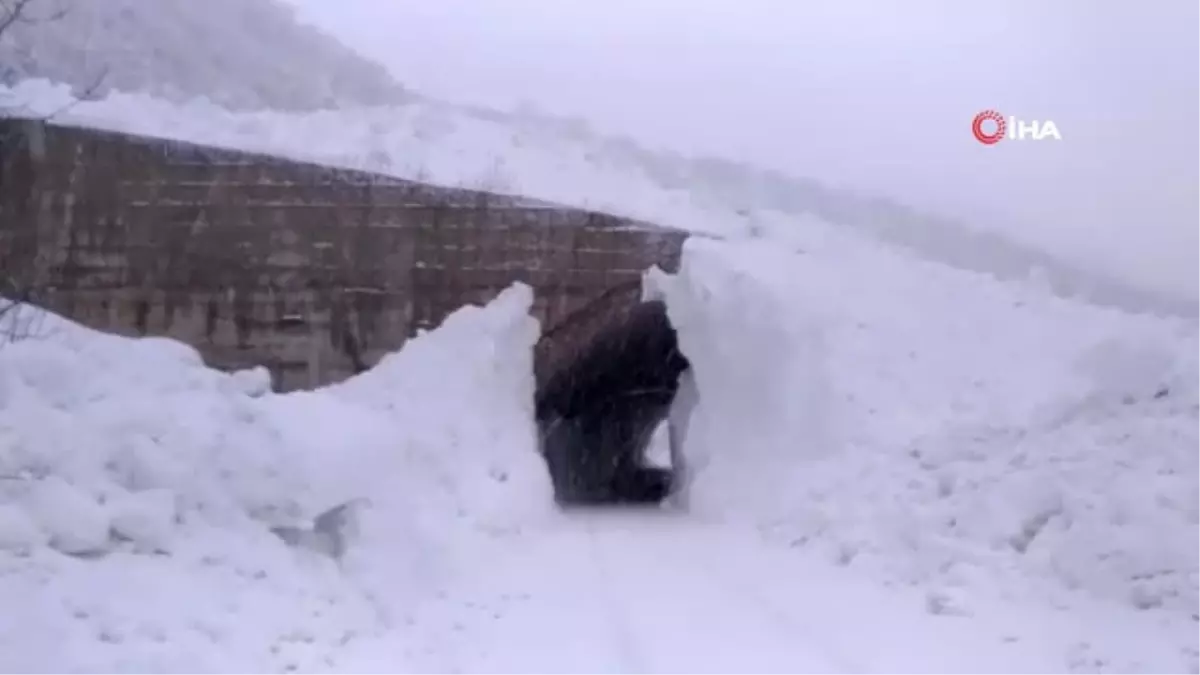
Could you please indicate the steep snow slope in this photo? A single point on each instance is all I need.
(179, 50)
(242, 54)
(563, 161)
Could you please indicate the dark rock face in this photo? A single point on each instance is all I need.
(596, 415)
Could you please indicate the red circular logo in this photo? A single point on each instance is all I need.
(984, 137)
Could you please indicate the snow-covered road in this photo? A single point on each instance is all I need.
(631, 590)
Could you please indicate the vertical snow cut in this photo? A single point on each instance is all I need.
(463, 394)
(760, 370)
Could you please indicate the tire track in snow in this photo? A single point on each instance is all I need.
(835, 609)
(631, 654)
(683, 616)
(753, 594)
(740, 564)
(657, 592)
(542, 602)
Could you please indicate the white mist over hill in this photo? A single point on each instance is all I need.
(872, 96)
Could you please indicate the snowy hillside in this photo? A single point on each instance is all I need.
(564, 161)
(241, 54)
(178, 51)
(903, 465)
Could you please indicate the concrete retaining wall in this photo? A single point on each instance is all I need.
(311, 271)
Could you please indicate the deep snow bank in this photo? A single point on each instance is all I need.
(464, 396)
(760, 367)
(937, 428)
(138, 490)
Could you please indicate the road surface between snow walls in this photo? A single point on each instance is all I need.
(900, 467)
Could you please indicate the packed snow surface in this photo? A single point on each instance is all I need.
(901, 466)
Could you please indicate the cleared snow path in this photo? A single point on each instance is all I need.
(634, 591)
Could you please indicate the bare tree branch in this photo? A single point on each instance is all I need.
(20, 287)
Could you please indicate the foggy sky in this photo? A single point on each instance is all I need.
(870, 94)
